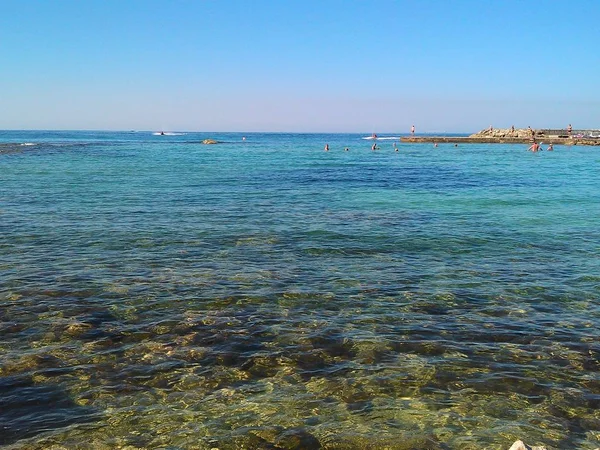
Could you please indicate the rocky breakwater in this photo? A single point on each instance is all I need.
(520, 135)
(504, 133)
(505, 136)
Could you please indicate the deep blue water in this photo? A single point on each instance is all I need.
(156, 292)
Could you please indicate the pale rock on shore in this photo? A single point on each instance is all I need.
(520, 445)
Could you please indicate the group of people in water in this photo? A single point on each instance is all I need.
(373, 147)
(536, 147)
(376, 147)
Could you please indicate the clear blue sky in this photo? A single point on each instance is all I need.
(325, 65)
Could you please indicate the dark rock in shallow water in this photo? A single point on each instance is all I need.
(360, 407)
(11, 327)
(259, 438)
(310, 363)
(297, 439)
(27, 409)
(401, 442)
(333, 343)
(261, 366)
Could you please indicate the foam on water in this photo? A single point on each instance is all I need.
(382, 138)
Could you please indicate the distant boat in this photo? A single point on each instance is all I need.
(374, 137)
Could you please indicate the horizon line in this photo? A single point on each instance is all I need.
(104, 130)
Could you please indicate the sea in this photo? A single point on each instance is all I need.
(262, 293)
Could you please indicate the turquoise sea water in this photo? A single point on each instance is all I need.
(156, 292)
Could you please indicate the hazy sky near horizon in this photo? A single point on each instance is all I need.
(275, 65)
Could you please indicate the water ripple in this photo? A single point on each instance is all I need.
(275, 296)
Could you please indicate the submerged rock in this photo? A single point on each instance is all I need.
(209, 141)
(28, 409)
(297, 438)
(75, 329)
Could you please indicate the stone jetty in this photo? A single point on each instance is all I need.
(516, 136)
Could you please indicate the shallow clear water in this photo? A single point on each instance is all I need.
(156, 292)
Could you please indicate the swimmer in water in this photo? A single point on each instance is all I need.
(326, 147)
(550, 148)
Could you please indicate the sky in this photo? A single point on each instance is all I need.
(299, 66)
